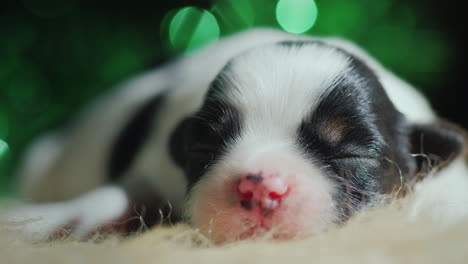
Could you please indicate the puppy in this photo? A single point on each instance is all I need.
(263, 131)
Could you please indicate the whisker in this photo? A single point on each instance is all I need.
(141, 217)
(399, 172)
(169, 214)
(429, 161)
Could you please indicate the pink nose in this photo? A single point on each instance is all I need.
(264, 192)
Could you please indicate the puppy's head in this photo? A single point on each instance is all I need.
(292, 137)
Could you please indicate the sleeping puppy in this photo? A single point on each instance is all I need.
(260, 132)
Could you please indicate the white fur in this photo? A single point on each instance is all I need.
(91, 211)
(444, 195)
(43, 152)
(276, 87)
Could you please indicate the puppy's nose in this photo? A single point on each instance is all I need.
(256, 190)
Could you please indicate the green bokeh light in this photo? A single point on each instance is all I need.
(296, 16)
(3, 148)
(191, 28)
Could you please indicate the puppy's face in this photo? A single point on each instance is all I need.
(292, 138)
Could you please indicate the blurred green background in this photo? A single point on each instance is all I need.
(57, 55)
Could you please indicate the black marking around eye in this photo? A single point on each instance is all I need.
(132, 137)
(369, 132)
(202, 138)
(346, 134)
(346, 110)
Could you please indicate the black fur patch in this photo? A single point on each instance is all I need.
(200, 140)
(132, 137)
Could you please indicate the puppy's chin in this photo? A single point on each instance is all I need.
(217, 209)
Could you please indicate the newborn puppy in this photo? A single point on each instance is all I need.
(261, 131)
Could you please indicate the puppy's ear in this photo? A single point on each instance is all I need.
(178, 145)
(436, 145)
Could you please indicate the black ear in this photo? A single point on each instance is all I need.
(436, 145)
(178, 145)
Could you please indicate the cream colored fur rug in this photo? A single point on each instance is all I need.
(381, 236)
(429, 226)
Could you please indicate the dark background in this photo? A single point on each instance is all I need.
(57, 55)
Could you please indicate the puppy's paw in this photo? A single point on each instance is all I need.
(79, 217)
